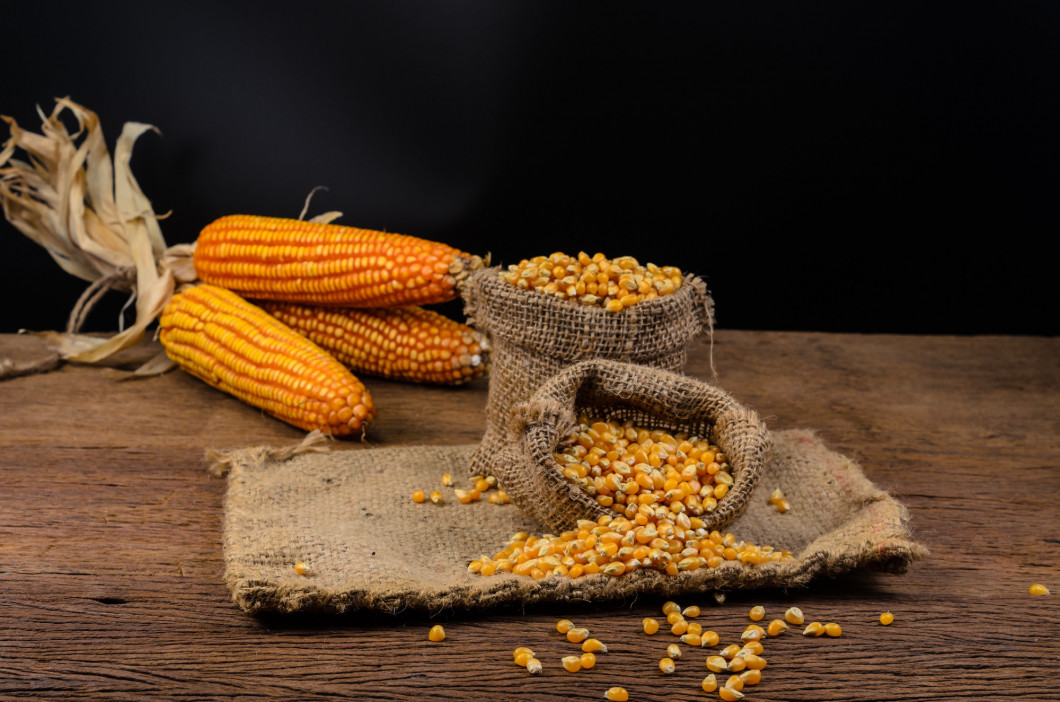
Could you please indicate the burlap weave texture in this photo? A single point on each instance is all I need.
(349, 515)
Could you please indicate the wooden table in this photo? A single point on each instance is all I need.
(110, 556)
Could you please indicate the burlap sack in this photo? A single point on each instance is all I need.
(652, 399)
(348, 514)
(534, 336)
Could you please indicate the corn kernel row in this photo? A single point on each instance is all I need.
(674, 477)
(594, 280)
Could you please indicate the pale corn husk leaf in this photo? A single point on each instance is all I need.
(89, 213)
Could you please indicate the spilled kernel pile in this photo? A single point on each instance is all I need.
(777, 500)
(640, 471)
(594, 280)
(480, 485)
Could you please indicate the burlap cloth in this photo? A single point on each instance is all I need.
(534, 336)
(349, 515)
(652, 399)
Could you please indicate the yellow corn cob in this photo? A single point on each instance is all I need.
(401, 343)
(237, 347)
(327, 264)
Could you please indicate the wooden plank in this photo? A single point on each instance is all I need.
(110, 555)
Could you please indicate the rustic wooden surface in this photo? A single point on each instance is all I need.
(110, 556)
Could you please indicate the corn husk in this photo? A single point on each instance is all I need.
(87, 210)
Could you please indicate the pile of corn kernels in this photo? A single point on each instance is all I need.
(594, 280)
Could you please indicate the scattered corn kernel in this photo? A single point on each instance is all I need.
(691, 612)
(673, 651)
(564, 625)
(753, 632)
(436, 497)
(813, 629)
(651, 626)
(833, 629)
(754, 662)
(717, 664)
(594, 646)
(777, 627)
(533, 666)
(730, 651)
(783, 506)
(577, 634)
(710, 683)
(571, 664)
(522, 655)
(616, 694)
(758, 613)
(587, 660)
(886, 618)
(419, 496)
(710, 638)
(735, 682)
(680, 628)
(1038, 589)
(737, 664)
(751, 677)
(301, 568)
(667, 666)
(692, 640)
(730, 694)
(794, 616)
(670, 606)
(437, 633)
(447, 480)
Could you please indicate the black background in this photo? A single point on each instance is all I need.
(848, 166)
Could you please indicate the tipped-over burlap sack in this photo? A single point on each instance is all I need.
(652, 399)
(348, 514)
(534, 336)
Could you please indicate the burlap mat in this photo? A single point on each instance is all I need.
(349, 515)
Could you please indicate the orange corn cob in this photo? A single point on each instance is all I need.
(327, 264)
(237, 347)
(401, 343)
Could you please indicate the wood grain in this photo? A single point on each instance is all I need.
(110, 555)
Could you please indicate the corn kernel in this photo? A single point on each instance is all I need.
(674, 617)
(754, 647)
(616, 694)
(651, 626)
(729, 694)
(587, 660)
(571, 664)
(437, 633)
(754, 662)
(730, 651)
(758, 612)
(670, 606)
(777, 627)
(301, 568)
(717, 664)
(737, 664)
(1038, 589)
(673, 651)
(533, 666)
(522, 655)
(436, 497)
(751, 677)
(666, 665)
(594, 646)
(794, 616)
(419, 496)
(447, 480)
(813, 629)
(710, 683)
(692, 640)
(886, 618)
(564, 625)
(710, 638)
(735, 682)
(691, 612)
(833, 629)
(577, 634)
(753, 632)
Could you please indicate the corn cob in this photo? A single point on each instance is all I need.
(401, 343)
(327, 264)
(237, 347)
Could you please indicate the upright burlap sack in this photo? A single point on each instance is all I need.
(652, 399)
(348, 514)
(534, 336)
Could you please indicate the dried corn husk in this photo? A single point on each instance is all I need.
(89, 213)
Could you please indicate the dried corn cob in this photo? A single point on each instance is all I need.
(402, 343)
(237, 347)
(327, 264)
